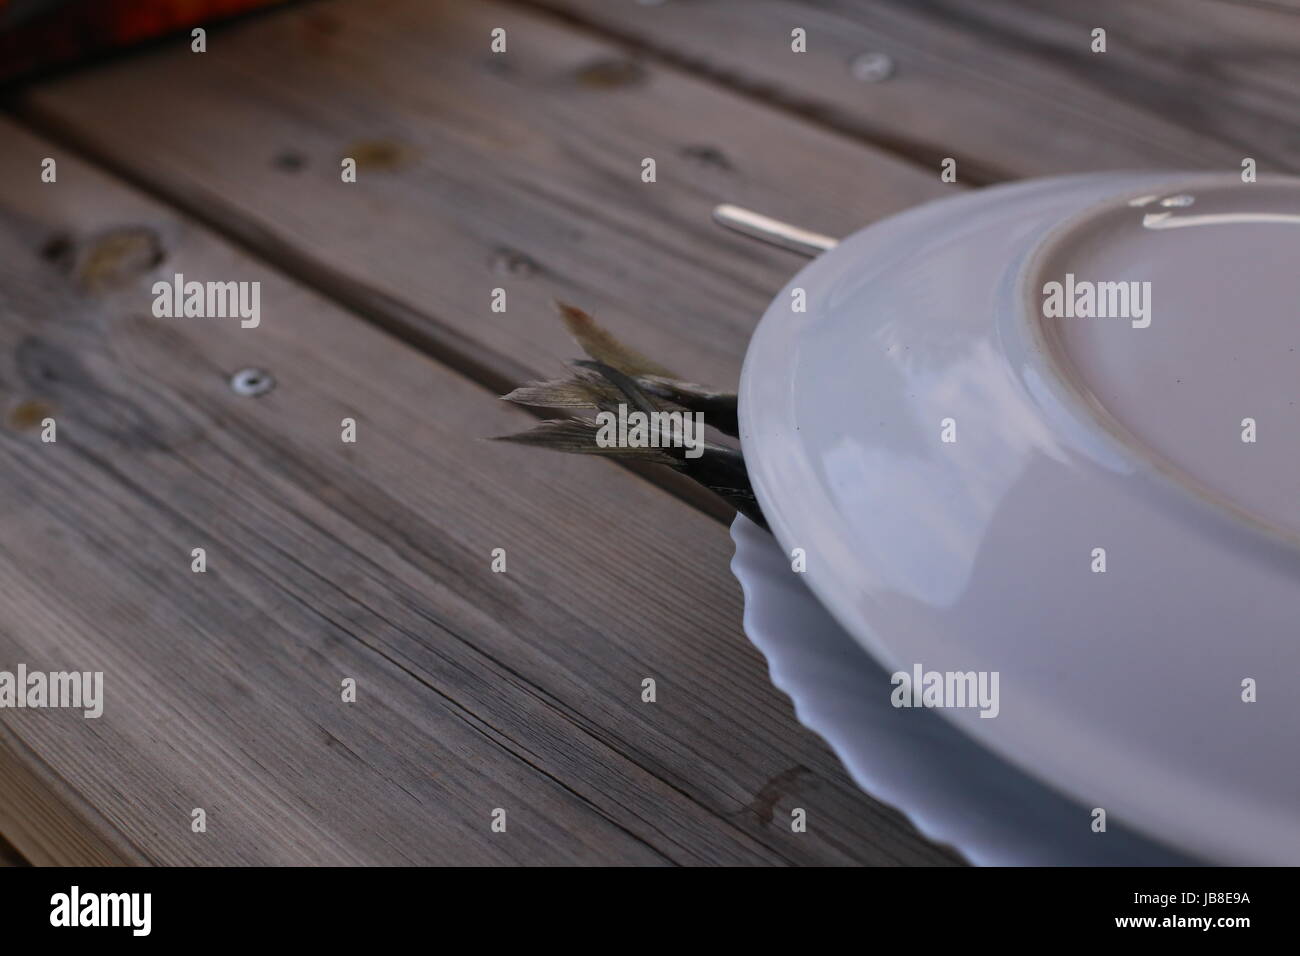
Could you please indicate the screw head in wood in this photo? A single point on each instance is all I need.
(251, 382)
(872, 67)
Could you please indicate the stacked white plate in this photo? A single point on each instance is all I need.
(1047, 432)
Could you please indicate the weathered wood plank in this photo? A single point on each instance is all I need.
(1010, 88)
(478, 170)
(9, 856)
(475, 690)
(47, 817)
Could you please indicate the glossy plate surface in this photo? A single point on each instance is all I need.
(1121, 688)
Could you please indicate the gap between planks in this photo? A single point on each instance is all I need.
(382, 311)
(800, 108)
(448, 339)
(1007, 87)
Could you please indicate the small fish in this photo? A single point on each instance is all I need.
(615, 375)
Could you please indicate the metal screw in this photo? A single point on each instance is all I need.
(511, 262)
(872, 67)
(251, 382)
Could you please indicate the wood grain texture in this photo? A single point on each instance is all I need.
(1010, 88)
(519, 170)
(44, 814)
(372, 561)
(9, 855)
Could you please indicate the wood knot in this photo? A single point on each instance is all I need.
(764, 803)
(29, 414)
(380, 155)
(709, 156)
(289, 161)
(609, 74)
(59, 249)
(511, 262)
(116, 258)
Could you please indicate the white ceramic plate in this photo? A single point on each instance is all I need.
(1122, 689)
(953, 790)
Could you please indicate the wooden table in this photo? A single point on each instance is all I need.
(372, 561)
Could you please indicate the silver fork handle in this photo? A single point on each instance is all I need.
(773, 231)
